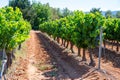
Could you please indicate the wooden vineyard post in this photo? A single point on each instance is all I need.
(100, 48)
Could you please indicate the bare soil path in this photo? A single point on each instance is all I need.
(46, 60)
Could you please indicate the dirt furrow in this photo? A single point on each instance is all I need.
(31, 70)
(68, 69)
(35, 49)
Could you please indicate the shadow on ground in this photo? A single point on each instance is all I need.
(63, 59)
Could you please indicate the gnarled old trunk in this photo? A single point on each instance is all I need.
(84, 56)
(104, 43)
(112, 44)
(79, 49)
(67, 44)
(117, 48)
(92, 63)
(71, 47)
(19, 47)
(4, 63)
(9, 60)
(10, 57)
(64, 43)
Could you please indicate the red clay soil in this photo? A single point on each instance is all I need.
(47, 60)
(18, 71)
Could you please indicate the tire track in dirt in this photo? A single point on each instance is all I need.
(34, 50)
(31, 70)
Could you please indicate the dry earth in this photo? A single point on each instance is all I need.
(47, 60)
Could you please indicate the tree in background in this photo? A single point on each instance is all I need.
(118, 14)
(108, 14)
(59, 12)
(21, 4)
(41, 13)
(93, 10)
(66, 12)
(37, 13)
(56, 13)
